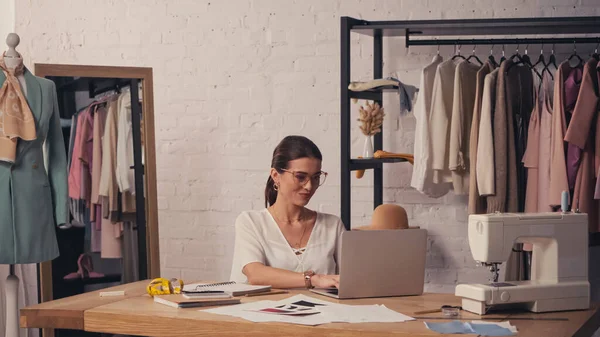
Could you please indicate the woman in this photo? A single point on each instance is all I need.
(287, 245)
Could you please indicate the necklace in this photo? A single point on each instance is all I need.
(300, 218)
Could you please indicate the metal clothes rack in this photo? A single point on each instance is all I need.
(96, 86)
(551, 30)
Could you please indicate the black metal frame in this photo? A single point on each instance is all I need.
(413, 33)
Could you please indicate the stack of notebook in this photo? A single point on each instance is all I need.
(230, 288)
(210, 294)
(179, 301)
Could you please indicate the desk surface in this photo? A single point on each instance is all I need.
(137, 314)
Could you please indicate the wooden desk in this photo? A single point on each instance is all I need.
(137, 314)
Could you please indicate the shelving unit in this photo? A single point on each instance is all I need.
(415, 33)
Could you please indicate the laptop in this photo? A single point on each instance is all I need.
(380, 263)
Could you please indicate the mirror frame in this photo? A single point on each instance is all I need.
(144, 74)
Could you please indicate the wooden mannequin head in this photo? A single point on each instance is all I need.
(12, 58)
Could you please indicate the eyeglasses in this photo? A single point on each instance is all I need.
(302, 178)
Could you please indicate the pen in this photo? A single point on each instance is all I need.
(268, 293)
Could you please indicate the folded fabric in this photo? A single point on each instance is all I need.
(405, 91)
(482, 329)
(384, 154)
(378, 83)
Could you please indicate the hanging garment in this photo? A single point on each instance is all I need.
(422, 176)
(125, 175)
(477, 204)
(439, 120)
(33, 199)
(506, 189)
(74, 175)
(581, 133)
(537, 154)
(573, 155)
(98, 132)
(108, 189)
(558, 171)
(485, 167)
(86, 154)
(130, 265)
(465, 85)
(73, 204)
(16, 120)
(531, 158)
(520, 99)
(545, 143)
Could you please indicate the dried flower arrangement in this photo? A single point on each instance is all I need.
(371, 118)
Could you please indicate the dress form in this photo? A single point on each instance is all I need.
(12, 59)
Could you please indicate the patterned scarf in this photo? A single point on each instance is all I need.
(16, 119)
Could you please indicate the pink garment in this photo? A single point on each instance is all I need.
(86, 154)
(111, 240)
(530, 157)
(74, 178)
(571, 91)
(543, 197)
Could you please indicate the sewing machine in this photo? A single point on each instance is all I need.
(559, 267)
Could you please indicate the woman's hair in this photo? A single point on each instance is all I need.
(290, 148)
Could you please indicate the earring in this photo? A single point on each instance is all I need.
(276, 187)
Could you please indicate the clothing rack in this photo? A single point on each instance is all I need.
(96, 86)
(414, 33)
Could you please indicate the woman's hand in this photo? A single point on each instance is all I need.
(325, 281)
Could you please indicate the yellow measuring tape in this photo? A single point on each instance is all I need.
(163, 286)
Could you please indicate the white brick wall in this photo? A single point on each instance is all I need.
(234, 77)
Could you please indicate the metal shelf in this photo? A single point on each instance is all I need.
(372, 94)
(512, 26)
(372, 163)
(508, 31)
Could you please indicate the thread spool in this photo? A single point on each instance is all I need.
(564, 201)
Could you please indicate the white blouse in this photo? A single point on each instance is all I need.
(259, 239)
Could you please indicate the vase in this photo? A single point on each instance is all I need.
(368, 148)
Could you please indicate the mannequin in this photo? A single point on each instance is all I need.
(12, 59)
(28, 237)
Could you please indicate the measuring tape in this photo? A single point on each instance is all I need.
(163, 286)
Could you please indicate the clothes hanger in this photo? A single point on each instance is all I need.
(491, 57)
(526, 58)
(516, 57)
(520, 59)
(458, 55)
(503, 58)
(595, 54)
(474, 56)
(579, 59)
(540, 60)
(551, 61)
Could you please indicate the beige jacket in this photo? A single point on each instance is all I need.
(465, 86)
(477, 204)
(485, 144)
(439, 120)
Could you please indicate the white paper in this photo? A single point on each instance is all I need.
(329, 312)
(363, 314)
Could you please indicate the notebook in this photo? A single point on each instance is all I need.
(206, 294)
(178, 301)
(232, 288)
